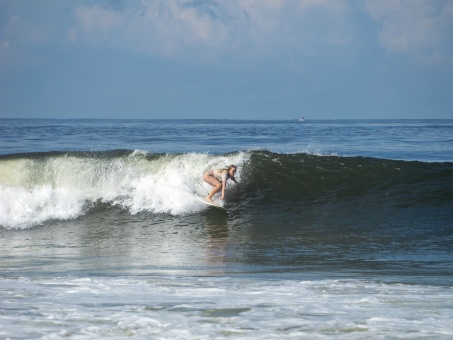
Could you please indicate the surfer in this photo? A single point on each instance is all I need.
(218, 178)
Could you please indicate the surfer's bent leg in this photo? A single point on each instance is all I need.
(208, 178)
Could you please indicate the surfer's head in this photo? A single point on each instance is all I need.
(232, 170)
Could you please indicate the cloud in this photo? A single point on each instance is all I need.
(25, 32)
(16, 34)
(417, 27)
(98, 18)
(173, 27)
(235, 30)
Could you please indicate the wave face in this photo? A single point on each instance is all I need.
(273, 187)
(303, 189)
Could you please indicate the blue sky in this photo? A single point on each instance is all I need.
(233, 59)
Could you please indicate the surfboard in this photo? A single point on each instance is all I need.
(212, 204)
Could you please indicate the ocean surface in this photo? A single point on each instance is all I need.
(338, 229)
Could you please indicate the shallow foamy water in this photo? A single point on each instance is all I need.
(216, 307)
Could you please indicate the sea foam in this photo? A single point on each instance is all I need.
(37, 189)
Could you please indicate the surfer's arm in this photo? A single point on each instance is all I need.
(224, 180)
(223, 191)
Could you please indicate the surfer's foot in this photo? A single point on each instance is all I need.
(208, 199)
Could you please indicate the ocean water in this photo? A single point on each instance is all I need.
(337, 229)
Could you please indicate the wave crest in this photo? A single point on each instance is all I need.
(35, 188)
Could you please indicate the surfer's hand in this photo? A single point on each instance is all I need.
(222, 198)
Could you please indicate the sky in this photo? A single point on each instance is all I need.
(226, 59)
